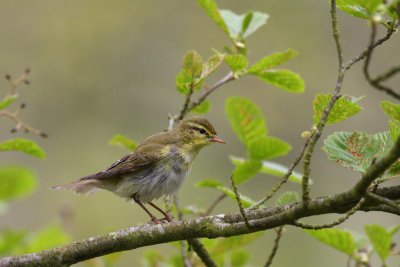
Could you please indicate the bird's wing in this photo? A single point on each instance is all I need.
(143, 157)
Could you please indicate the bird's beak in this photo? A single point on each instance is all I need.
(216, 139)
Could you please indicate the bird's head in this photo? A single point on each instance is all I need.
(197, 132)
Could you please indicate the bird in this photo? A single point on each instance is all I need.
(155, 168)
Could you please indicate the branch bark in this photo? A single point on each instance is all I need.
(223, 225)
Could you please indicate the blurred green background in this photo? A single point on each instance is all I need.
(106, 67)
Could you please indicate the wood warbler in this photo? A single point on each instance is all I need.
(157, 167)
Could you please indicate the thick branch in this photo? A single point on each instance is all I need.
(223, 225)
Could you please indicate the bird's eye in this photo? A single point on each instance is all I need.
(202, 131)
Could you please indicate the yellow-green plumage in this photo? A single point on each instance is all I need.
(157, 167)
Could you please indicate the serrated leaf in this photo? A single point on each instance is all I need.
(283, 79)
(380, 239)
(272, 61)
(246, 119)
(211, 65)
(123, 141)
(211, 8)
(394, 129)
(357, 150)
(271, 168)
(246, 201)
(48, 237)
(193, 63)
(246, 171)
(268, 147)
(16, 182)
(339, 239)
(240, 258)
(202, 108)
(236, 62)
(209, 183)
(287, 198)
(344, 108)
(23, 145)
(9, 100)
(392, 110)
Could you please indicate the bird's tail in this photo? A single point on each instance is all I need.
(86, 186)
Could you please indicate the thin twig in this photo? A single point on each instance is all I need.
(363, 54)
(387, 74)
(383, 200)
(321, 124)
(376, 82)
(239, 201)
(202, 252)
(182, 243)
(334, 223)
(284, 178)
(189, 105)
(271, 257)
(214, 204)
(227, 78)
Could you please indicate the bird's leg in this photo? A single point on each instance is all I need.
(167, 216)
(153, 218)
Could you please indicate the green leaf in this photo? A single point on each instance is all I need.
(268, 147)
(286, 198)
(392, 110)
(234, 23)
(243, 25)
(283, 79)
(352, 8)
(258, 19)
(236, 62)
(209, 183)
(211, 65)
(245, 171)
(6, 102)
(339, 239)
(272, 61)
(394, 229)
(211, 8)
(202, 108)
(247, 201)
(123, 141)
(16, 182)
(10, 241)
(183, 81)
(193, 63)
(23, 145)
(394, 129)
(49, 237)
(380, 239)
(271, 168)
(344, 108)
(246, 119)
(360, 8)
(223, 245)
(357, 150)
(240, 258)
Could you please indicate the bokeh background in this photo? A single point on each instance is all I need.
(106, 67)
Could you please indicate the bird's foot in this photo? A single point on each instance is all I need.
(168, 218)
